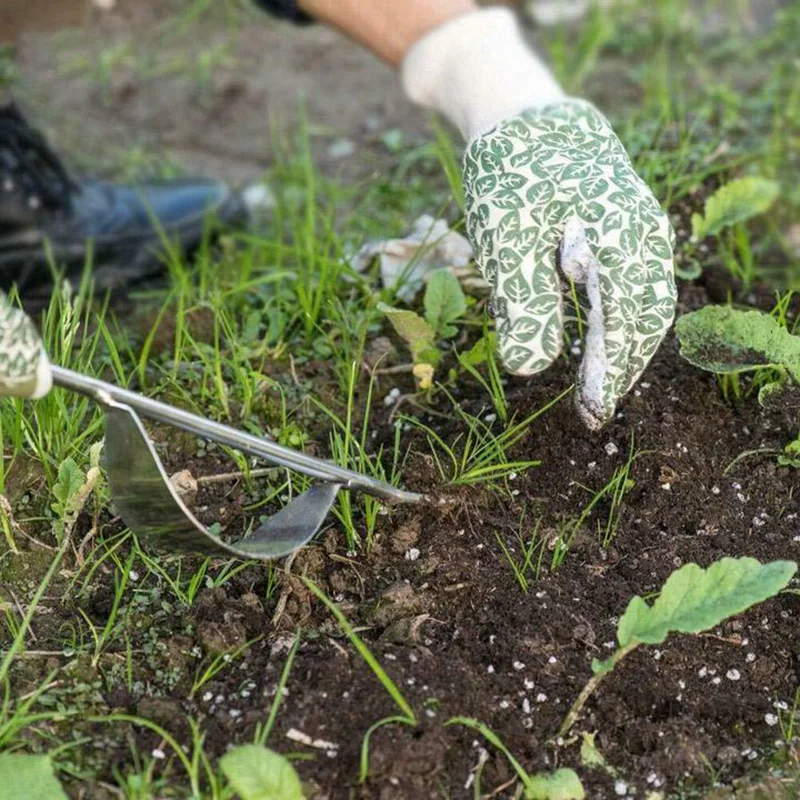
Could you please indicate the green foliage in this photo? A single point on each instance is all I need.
(258, 773)
(415, 332)
(694, 600)
(724, 340)
(444, 303)
(734, 202)
(563, 784)
(790, 457)
(68, 484)
(30, 777)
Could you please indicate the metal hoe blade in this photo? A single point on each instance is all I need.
(150, 506)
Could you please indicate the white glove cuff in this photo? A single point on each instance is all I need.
(477, 70)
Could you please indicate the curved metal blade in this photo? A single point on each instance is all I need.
(153, 510)
(106, 393)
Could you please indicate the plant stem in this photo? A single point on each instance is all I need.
(591, 687)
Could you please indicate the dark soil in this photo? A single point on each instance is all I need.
(456, 632)
(453, 627)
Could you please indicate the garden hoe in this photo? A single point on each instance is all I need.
(150, 506)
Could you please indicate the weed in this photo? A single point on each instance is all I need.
(263, 731)
(480, 455)
(221, 661)
(111, 628)
(615, 489)
(444, 304)
(407, 717)
(563, 784)
(528, 565)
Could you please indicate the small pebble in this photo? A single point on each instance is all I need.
(733, 674)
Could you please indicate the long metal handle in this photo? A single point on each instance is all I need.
(239, 440)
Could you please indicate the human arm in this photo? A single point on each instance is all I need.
(550, 191)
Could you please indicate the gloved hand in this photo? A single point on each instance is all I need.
(24, 366)
(544, 172)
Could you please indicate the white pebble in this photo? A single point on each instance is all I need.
(771, 719)
(621, 788)
(412, 554)
(733, 674)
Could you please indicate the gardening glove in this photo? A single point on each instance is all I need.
(24, 366)
(545, 176)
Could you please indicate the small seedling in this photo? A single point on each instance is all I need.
(444, 302)
(480, 455)
(563, 784)
(526, 566)
(407, 715)
(692, 600)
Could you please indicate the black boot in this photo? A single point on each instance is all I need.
(42, 208)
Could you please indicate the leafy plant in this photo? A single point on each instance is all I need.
(258, 773)
(724, 217)
(735, 202)
(724, 340)
(563, 784)
(692, 600)
(30, 777)
(444, 302)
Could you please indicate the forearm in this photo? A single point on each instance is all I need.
(389, 28)
(472, 65)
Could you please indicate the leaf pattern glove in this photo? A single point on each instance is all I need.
(24, 366)
(556, 181)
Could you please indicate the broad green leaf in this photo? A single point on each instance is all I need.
(410, 327)
(694, 599)
(737, 201)
(444, 300)
(722, 340)
(29, 777)
(563, 784)
(69, 481)
(257, 773)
